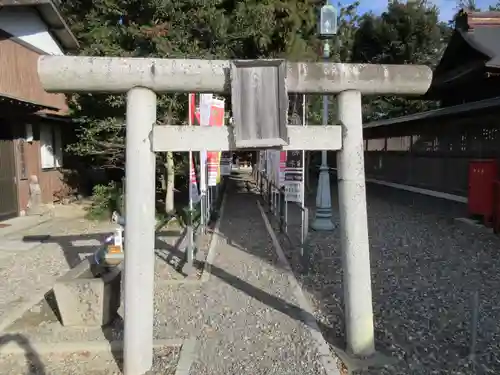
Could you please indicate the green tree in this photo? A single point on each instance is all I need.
(494, 8)
(176, 29)
(407, 33)
(468, 4)
(341, 51)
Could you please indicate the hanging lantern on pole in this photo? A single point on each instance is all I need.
(328, 22)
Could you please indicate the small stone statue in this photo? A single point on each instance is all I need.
(35, 198)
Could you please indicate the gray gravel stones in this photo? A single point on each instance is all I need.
(245, 317)
(28, 273)
(425, 270)
(170, 249)
(249, 317)
(85, 363)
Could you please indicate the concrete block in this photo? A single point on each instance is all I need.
(84, 300)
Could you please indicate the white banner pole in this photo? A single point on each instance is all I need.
(190, 232)
(205, 103)
(302, 184)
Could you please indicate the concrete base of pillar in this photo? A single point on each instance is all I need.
(323, 216)
(355, 364)
(84, 300)
(322, 221)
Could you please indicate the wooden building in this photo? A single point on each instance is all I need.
(33, 122)
(432, 150)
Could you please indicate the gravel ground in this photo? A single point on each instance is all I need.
(425, 270)
(245, 316)
(170, 254)
(25, 274)
(41, 324)
(84, 363)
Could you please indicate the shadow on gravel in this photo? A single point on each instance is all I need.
(77, 247)
(117, 325)
(175, 254)
(33, 361)
(246, 217)
(274, 302)
(425, 269)
(74, 247)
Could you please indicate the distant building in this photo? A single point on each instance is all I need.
(433, 149)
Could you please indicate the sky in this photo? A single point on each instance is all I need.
(447, 7)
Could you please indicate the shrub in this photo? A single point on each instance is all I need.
(105, 200)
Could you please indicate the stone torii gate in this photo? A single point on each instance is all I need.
(259, 92)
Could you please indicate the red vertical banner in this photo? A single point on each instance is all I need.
(282, 168)
(192, 109)
(193, 184)
(213, 157)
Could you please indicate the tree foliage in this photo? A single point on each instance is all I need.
(245, 29)
(187, 29)
(495, 7)
(406, 33)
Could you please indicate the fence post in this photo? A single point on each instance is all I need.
(282, 209)
(278, 203)
(286, 210)
(271, 189)
(261, 186)
(275, 201)
(209, 202)
(203, 214)
(269, 196)
(302, 230)
(305, 228)
(304, 254)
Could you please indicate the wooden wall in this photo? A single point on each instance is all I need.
(28, 157)
(432, 154)
(19, 77)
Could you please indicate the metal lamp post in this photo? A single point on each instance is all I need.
(323, 216)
